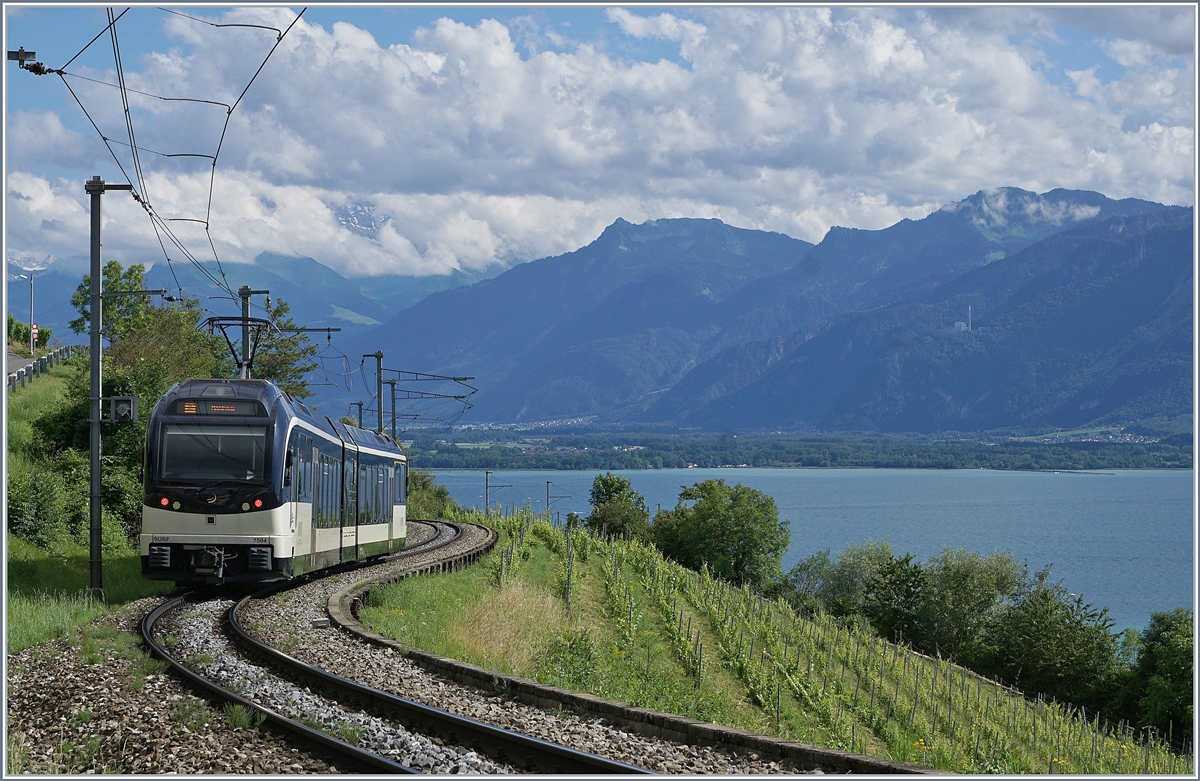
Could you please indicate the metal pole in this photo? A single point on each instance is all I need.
(95, 188)
(378, 356)
(32, 341)
(392, 385)
(244, 293)
(487, 477)
(359, 405)
(547, 497)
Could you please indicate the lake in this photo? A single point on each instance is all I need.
(1121, 539)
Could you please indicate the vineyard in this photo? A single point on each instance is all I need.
(816, 680)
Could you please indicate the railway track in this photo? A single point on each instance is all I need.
(381, 732)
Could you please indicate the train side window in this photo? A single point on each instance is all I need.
(381, 494)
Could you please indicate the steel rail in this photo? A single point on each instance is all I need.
(495, 742)
(368, 758)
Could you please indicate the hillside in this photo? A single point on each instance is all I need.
(1092, 325)
(693, 323)
(594, 330)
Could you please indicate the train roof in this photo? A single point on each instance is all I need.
(267, 393)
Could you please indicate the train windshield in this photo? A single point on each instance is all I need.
(193, 452)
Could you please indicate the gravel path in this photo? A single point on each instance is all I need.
(74, 709)
(70, 714)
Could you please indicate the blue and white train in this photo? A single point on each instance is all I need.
(245, 483)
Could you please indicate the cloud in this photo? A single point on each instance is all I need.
(478, 144)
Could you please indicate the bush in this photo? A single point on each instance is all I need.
(735, 530)
(427, 498)
(38, 509)
(617, 509)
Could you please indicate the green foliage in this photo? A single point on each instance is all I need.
(1049, 640)
(18, 333)
(241, 717)
(570, 660)
(894, 597)
(735, 530)
(617, 509)
(120, 315)
(1003, 450)
(1159, 690)
(609, 487)
(547, 535)
(964, 591)
(427, 498)
(283, 357)
(838, 586)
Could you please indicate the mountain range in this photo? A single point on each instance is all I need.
(1080, 313)
(1006, 310)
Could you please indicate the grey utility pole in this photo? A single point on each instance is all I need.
(359, 405)
(378, 356)
(244, 292)
(95, 187)
(32, 327)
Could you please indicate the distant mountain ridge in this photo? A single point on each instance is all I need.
(695, 323)
(595, 329)
(1081, 313)
(1090, 325)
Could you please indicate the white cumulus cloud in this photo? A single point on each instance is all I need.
(494, 143)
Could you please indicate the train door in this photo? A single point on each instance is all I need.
(319, 480)
(350, 504)
(293, 467)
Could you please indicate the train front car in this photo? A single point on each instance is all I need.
(216, 508)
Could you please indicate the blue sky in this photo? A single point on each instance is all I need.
(483, 136)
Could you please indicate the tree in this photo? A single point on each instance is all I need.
(609, 487)
(964, 590)
(120, 315)
(1049, 640)
(1158, 691)
(282, 357)
(1168, 663)
(840, 586)
(735, 530)
(894, 598)
(427, 498)
(617, 508)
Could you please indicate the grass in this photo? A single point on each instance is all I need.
(241, 717)
(645, 631)
(47, 590)
(521, 627)
(47, 587)
(191, 714)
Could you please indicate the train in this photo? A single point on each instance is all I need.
(245, 483)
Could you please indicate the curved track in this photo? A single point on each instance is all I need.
(502, 745)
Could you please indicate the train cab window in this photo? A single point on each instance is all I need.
(214, 452)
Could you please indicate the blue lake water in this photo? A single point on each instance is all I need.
(1122, 539)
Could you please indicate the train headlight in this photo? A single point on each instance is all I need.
(164, 501)
(257, 503)
(245, 505)
(175, 506)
